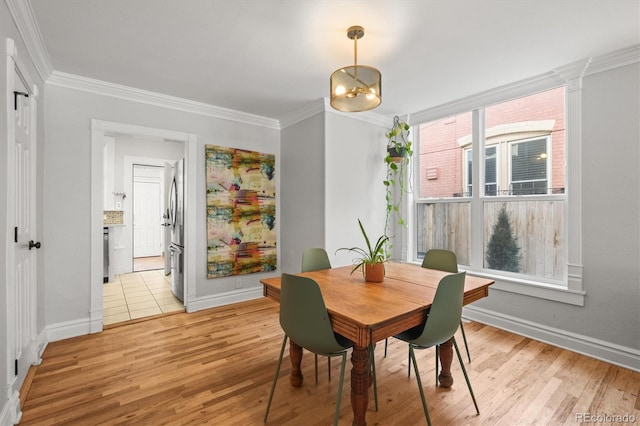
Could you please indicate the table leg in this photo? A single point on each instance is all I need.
(446, 356)
(295, 353)
(359, 384)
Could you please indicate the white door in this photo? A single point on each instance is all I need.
(146, 219)
(22, 249)
(168, 177)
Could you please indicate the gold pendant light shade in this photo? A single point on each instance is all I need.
(356, 88)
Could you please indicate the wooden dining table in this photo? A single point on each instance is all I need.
(366, 313)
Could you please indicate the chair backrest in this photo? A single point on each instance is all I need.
(442, 260)
(444, 316)
(314, 259)
(304, 317)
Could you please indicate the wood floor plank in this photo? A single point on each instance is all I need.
(216, 367)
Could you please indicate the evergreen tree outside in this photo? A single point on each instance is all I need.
(503, 252)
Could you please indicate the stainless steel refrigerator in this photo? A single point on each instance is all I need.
(176, 218)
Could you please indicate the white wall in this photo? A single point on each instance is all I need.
(609, 323)
(332, 173)
(67, 200)
(355, 170)
(8, 406)
(302, 189)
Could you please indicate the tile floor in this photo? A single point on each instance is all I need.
(138, 295)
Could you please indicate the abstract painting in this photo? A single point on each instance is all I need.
(241, 212)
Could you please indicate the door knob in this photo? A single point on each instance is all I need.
(36, 245)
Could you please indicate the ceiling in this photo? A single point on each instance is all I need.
(273, 57)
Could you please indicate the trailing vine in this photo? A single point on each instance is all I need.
(399, 153)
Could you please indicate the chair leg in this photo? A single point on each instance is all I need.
(466, 377)
(386, 341)
(464, 337)
(372, 358)
(316, 364)
(275, 379)
(409, 365)
(437, 360)
(412, 356)
(339, 397)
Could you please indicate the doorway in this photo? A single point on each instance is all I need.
(148, 232)
(140, 288)
(139, 284)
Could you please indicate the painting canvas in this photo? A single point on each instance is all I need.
(241, 212)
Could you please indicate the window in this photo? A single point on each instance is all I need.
(490, 171)
(506, 217)
(529, 167)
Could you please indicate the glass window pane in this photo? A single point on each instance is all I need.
(529, 135)
(442, 144)
(444, 226)
(510, 244)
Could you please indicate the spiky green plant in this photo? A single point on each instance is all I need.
(369, 255)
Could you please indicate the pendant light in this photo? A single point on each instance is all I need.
(356, 88)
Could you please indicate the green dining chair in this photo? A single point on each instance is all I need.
(445, 260)
(442, 260)
(305, 320)
(314, 259)
(441, 325)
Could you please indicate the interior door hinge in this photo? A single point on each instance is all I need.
(15, 98)
(16, 373)
(15, 234)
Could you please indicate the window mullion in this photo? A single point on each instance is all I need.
(476, 254)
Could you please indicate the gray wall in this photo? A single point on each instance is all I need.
(611, 222)
(302, 190)
(332, 175)
(68, 177)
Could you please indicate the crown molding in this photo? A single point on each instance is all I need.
(85, 84)
(22, 15)
(367, 116)
(619, 58)
(322, 105)
(311, 109)
(570, 73)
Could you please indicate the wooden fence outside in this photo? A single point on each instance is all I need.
(537, 226)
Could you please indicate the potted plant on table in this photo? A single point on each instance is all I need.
(370, 259)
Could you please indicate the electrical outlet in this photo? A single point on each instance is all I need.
(238, 283)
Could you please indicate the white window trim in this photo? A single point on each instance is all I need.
(570, 77)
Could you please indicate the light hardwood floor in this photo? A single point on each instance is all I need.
(216, 367)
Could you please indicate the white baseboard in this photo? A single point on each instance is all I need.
(606, 351)
(11, 414)
(68, 329)
(215, 300)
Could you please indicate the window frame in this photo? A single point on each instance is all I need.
(571, 289)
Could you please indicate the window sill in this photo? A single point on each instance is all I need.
(530, 288)
(534, 289)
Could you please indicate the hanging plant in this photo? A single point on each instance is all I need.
(399, 153)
